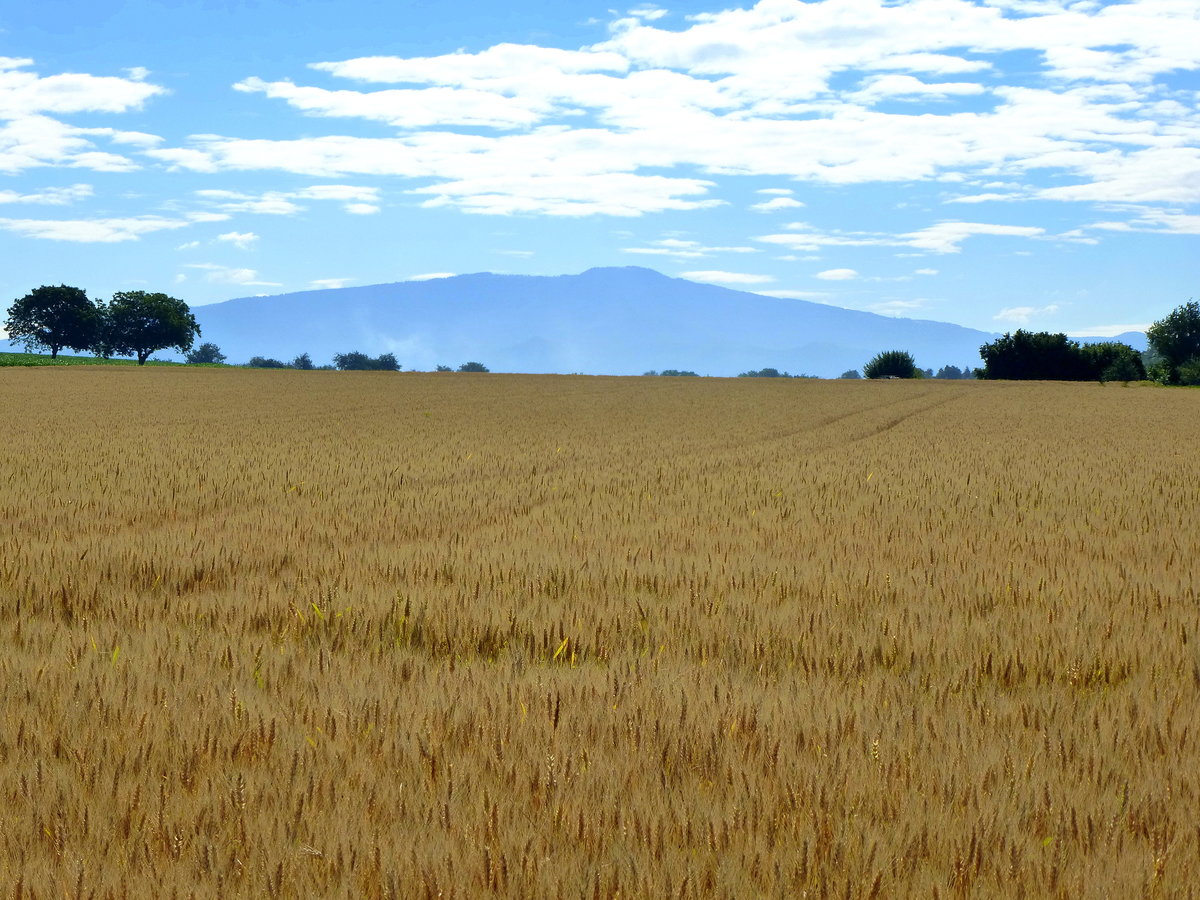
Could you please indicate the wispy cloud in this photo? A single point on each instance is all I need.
(719, 277)
(837, 275)
(1023, 315)
(521, 129)
(219, 274)
(243, 240)
(676, 248)
(92, 231)
(52, 196)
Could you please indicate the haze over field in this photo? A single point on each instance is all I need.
(989, 163)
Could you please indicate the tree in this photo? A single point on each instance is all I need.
(303, 361)
(473, 367)
(764, 373)
(206, 353)
(949, 372)
(52, 318)
(850, 373)
(265, 362)
(360, 362)
(1112, 361)
(443, 369)
(137, 323)
(1025, 355)
(1175, 340)
(892, 364)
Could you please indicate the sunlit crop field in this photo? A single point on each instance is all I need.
(309, 634)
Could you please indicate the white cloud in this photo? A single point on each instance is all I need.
(241, 240)
(676, 248)
(189, 245)
(926, 272)
(837, 275)
(898, 308)
(356, 200)
(730, 94)
(430, 276)
(91, 231)
(718, 277)
(52, 196)
(226, 275)
(945, 237)
(906, 87)
(1022, 315)
(777, 203)
(23, 93)
(330, 283)
(1155, 221)
(615, 194)
(794, 295)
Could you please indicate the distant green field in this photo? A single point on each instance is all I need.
(42, 359)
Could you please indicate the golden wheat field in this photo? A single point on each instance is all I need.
(309, 634)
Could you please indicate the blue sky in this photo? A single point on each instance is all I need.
(1001, 164)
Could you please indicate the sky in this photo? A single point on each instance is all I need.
(998, 164)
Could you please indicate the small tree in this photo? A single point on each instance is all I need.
(764, 373)
(473, 367)
(892, 364)
(443, 369)
(137, 323)
(303, 361)
(52, 318)
(1175, 340)
(265, 362)
(206, 353)
(850, 373)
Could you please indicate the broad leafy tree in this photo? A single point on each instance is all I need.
(51, 318)
(137, 323)
(206, 353)
(473, 367)
(1027, 355)
(892, 364)
(358, 362)
(303, 361)
(1112, 361)
(1175, 341)
(1041, 355)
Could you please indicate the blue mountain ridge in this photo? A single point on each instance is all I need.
(611, 321)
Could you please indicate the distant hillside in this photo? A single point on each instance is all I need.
(619, 321)
(605, 321)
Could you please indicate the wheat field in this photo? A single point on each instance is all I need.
(310, 634)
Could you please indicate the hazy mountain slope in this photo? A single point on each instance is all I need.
(615, 321)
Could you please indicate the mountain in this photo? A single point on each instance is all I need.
(617, 321)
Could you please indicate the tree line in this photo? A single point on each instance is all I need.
(132, 323)
(1173, 357)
